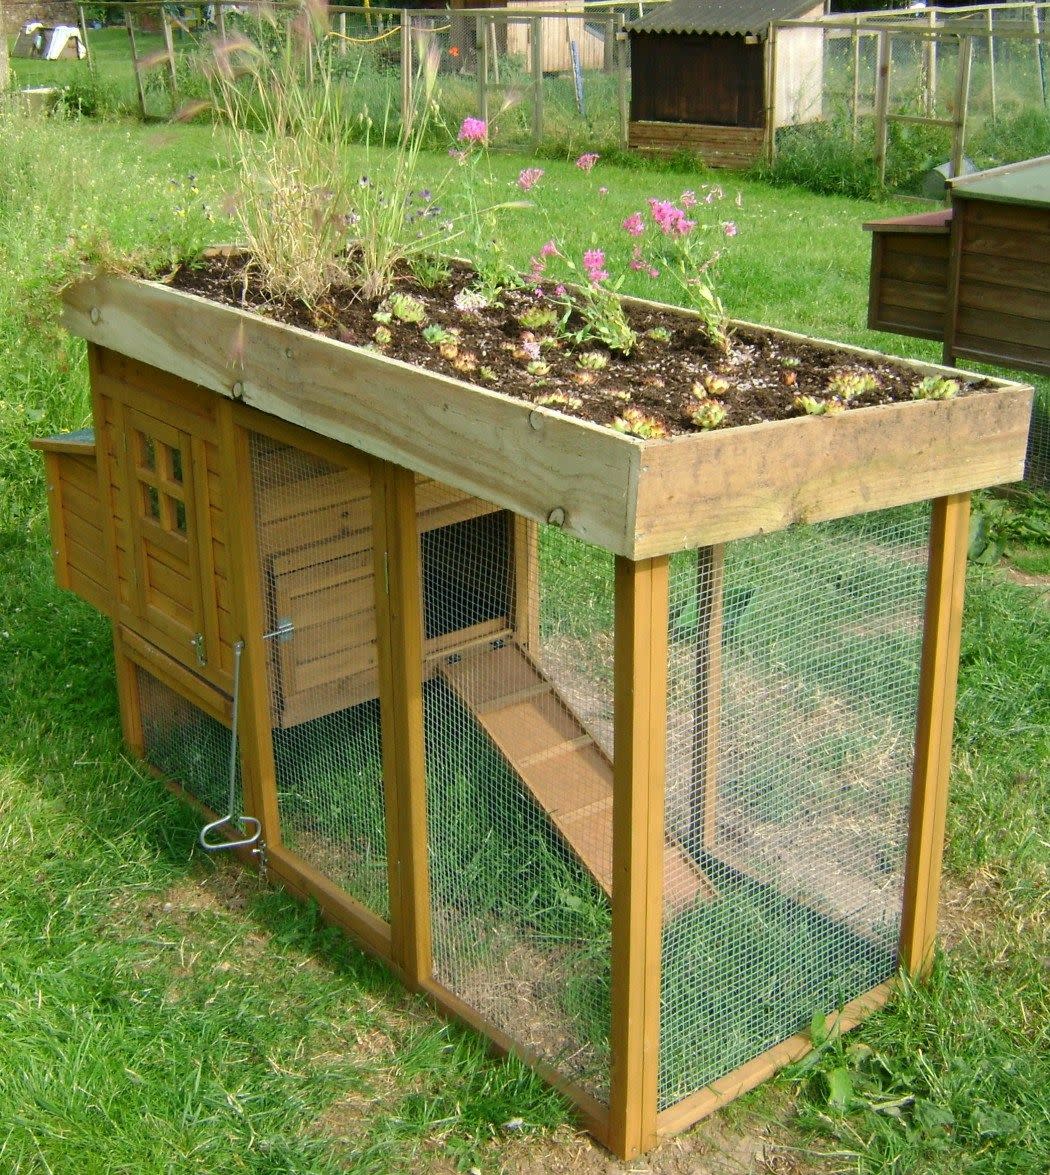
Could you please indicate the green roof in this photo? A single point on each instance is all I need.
(747, 17)
(1016, 183)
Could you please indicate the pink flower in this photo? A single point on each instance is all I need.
(688, 199)
(634, 224)
(587, 161)
(729, 228)
(529, 177)
(473, 130)
(594, 264)
(550, 249)
(458, 156)
(671, 220)
(560, 290)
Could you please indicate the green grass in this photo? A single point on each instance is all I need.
(162, 1012)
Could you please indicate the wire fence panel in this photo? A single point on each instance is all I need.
(519, 778)
(793, 688)
(185, 744)
(314, 532)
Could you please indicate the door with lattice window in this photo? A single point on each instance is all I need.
(163, 483)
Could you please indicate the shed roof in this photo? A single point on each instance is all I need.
(719, 16)
(1027, 182)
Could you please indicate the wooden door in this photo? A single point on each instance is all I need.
(165, 477)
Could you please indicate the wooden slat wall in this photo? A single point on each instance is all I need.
(909, 283)
(718, 146)
(1003, 285)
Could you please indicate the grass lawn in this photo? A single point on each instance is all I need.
(163, 1012)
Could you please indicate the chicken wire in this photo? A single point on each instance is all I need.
(518, 709)
(793, 684)
(185, 744)
(314, 533)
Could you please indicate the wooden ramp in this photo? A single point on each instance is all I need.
(566, 771)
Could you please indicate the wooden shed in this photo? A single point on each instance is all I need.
(705, 77)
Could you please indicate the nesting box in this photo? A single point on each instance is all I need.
(707, 77)
(631, 754)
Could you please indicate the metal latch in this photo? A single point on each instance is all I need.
(197, 641)
(282, 633)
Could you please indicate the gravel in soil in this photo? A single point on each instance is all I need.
(672, 366)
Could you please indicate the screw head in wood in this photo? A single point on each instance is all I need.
(556, 517)
(238, 390)
(536, 420)
(95, 315)
(289, 353)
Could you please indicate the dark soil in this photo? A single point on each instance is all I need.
(765, 374)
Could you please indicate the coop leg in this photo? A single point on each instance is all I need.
(526, 584)
(710, 562)
(399, 630)
(128, 696)
(640, 715)
(949, 532)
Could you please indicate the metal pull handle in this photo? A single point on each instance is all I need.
(231, 819)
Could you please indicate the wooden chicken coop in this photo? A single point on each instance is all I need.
(623, 755)
(705, 77)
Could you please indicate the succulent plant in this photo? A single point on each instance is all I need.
(405, 308)
(538, 317)
(436, 334)
(638, 424)
(814, 407)
(592, 360)
(711, 385)
(559, 400)
(382, 336)
(487, 374)
(848, 385)
(707, 413)
(935, 387)
(538, 367)
(659, 334)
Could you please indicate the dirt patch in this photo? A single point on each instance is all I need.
(507, 345)
(1041, 583)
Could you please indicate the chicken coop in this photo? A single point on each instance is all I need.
(632, 782)
(708, 77)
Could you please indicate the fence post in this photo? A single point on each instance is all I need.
(341, 26)
(962, 101)
(220, 20)
(482, 39)
(991, 62)
(536, 24)
(609, 48)
(135, 63)
(5, 62)
(81, 24)
(169, 48)
(406, 71)
(1040, 57)
(621, 86)
(931, 63)
(882, 103)
(771, 93)
(854, 105)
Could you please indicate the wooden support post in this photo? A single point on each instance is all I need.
(482, 41)
(710, 577)
(406, 72)
(882, 102)
(949, 535)
(246, 581)
(135, 62)
(962, 102)
(494, 49)
(399, 625)
(536, 47)
(640, 737)
(341, 26)
(220, 18)
(527, 584)
(609, 46)
(5, 61)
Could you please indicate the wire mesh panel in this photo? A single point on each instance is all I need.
(793, 684)
(186, 744)
(519, 782)
(314, 530)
